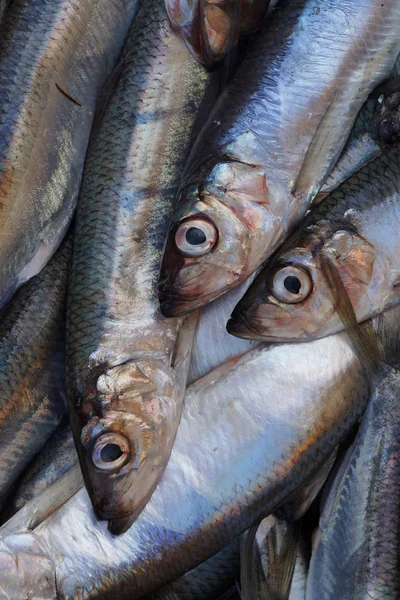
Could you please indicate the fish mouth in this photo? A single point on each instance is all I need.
(241, 328)
(120, 525)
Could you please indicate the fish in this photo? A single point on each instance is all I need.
(207, 581)
(356, 225)
(272, 137)
(356, 549)
(126, 365)
(371, 135)
(57, 456)
(32, 382)
(211, 30)
(252, 432)
(55, 58)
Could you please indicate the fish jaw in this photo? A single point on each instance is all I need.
(248, 215)
(125, 446)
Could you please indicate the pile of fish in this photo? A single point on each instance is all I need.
(200, 299)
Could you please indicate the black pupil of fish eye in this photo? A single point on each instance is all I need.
(195, 236)
(110, 453)
(292, 284)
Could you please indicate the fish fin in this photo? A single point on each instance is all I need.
(45, 504)
(251, 581)
(362, 335)
(282, 561)
(274, 582)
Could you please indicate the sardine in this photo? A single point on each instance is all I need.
(55, 57)
(127, 366)
(32, 383)
(356, 551)
(271, 139)
(207, 581)
(252, 432)
(357, 226)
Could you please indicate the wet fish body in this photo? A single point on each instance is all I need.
(271, 139)
(32, 383)
(356, 550)
(356, 226)
(54, 60)
(248, 438)
(127, 366)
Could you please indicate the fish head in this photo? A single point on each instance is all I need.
(218, 236)
(290, 300)
(126, 440)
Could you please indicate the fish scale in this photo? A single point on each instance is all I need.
(356, 548)
(273, 136)
(358, 225)
(51, 51)
(32, 387)
(127, 366)
(247, 440)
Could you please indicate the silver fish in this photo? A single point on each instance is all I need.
(252, 431)
(271, 139)
(32, 383)
(54, 59)
(127, 366)
(356, 551)
(357, 226)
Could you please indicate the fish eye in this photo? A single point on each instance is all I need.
(110, 452)
(291, 284)
(195, 237)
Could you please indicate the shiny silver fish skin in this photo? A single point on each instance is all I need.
(207, 581)
(272, 137)
(356, 552)
(57, 456)
(127, 366)
(247, 440)
(32, 382)
(363, 144)
(55, 56)
(357, 226)
(212, 344)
